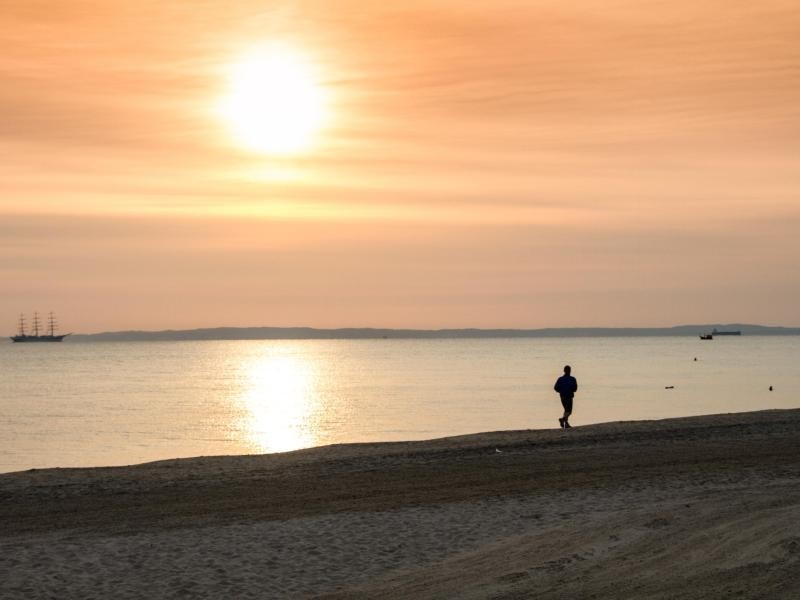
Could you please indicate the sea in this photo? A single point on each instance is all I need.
(115, 403)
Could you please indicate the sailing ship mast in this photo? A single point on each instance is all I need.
(52, 325)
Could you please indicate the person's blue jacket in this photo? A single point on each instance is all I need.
(566, 385)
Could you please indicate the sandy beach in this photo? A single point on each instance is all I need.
(703, 507)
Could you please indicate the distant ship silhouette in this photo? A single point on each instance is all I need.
(48, 337)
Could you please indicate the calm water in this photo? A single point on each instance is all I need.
(87, 404)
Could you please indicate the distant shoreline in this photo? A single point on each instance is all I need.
(353, 333)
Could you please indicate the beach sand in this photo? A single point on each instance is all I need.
(703, 507)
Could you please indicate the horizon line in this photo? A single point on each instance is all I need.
(291, 332)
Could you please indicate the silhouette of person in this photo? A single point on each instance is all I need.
(566, 386)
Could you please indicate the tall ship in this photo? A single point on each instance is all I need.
(34, 336)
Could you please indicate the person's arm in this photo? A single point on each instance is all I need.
(555, 387)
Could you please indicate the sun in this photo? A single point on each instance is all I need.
(274, 103)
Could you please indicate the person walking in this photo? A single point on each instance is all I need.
(566, 386)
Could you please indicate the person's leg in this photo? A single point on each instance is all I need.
(567, 404)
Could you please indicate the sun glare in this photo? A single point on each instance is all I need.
(274, 103)
(279, 401)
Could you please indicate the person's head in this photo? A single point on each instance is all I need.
(567, 370)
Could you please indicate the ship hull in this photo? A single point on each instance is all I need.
(38, 338)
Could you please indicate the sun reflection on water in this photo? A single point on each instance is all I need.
(279, 401)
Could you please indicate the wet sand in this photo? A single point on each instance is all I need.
(703, 507)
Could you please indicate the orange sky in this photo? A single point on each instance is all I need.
(511, 164)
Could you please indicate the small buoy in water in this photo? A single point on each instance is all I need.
(695, 359)
(770, 388)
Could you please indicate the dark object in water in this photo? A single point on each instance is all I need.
(730, 332)
(669, 387)
(706, 336)
(770, 388)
